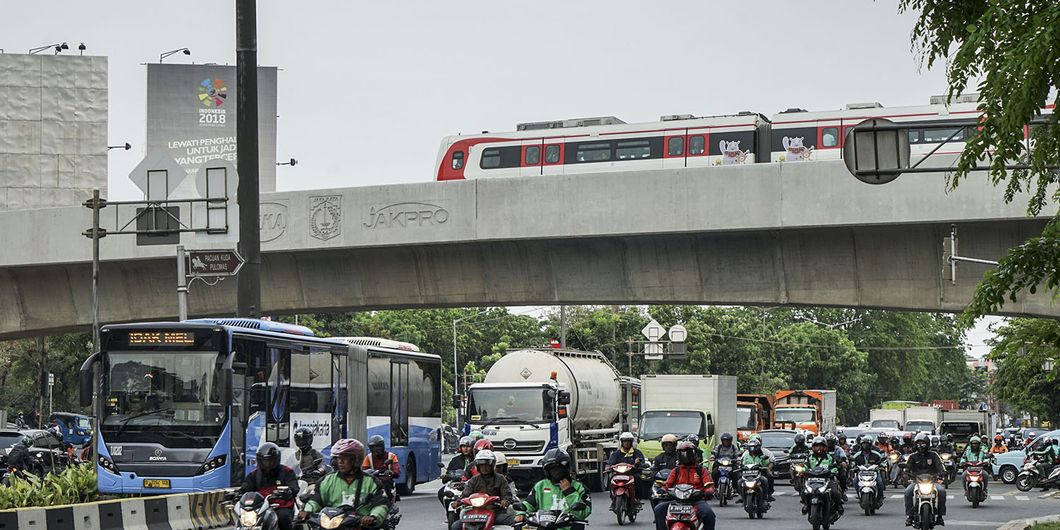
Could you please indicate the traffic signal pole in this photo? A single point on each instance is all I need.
(248, 282)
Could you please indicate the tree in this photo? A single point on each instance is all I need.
(1012, 47)
(1021, 348)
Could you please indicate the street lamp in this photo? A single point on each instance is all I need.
(291, 163)
(125, 147)
(163, 55)
(58, 47)
(81, 48)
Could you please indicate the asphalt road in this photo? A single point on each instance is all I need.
(422, 510)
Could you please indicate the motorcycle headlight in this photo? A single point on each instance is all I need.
(330, 522)
(248, 518)
(894, 458)
(926, 488)
(478, 502)
(798, 468)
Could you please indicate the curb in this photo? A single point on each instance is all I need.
(187, 511)
(1022, 524)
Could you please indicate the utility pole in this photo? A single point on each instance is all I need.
(248, 284)
(563, 327)
(182, 285)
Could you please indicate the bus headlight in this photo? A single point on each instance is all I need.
(212, 464)
(105, 463)
(248, 518)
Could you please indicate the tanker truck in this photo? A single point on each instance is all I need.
(535, 400)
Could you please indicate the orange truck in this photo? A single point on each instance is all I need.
(754, 412)
(808, 410)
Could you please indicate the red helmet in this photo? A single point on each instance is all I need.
(483, 444)
(348, 447)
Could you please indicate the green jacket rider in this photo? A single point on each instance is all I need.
(348, 485)
(557, 491)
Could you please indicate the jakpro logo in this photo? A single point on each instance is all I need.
(212, 92)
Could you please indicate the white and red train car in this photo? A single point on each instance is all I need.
(593, 145)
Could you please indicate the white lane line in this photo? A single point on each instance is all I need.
(1022, 498)
(997, 497)
(897, 496)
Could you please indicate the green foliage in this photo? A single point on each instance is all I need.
(1021, 348)
(1012, 48)
(75, 485)
(23, 361)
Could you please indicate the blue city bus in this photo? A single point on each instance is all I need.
(404, 405)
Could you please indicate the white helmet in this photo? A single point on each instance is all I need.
(627, 436)
(502, 460)
(485, 457)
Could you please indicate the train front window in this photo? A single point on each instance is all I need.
(458, 159)
(830, 137)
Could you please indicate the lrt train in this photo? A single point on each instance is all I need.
(605, 144)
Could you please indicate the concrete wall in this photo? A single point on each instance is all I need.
(53, 129)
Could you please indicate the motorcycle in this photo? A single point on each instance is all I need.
(898, 476)
(751, 491)
(1031, 475)
(335, 518)
(974, 483)
(624, 501)
(820, 512)
(951, 468)
(257, 512)
(552, 520)
(681, 514)
(869, 498)
(658, 492)
(925, 502)
(725, 479)
(479, 512)
(798, 470)
(393, 517)
(451, 491)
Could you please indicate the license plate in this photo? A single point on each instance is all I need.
(682, 508)
(512, 462)
(156, 483)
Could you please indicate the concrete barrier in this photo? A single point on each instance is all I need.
(192, 511)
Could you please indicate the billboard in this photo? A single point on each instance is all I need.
(191, 114)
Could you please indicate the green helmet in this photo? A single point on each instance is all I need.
(476, 435)
(974, 440)
(27, 441)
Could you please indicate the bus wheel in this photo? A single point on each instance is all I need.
(409, 486)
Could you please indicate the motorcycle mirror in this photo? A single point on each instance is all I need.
(578, 506)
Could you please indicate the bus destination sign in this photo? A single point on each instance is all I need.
(161, 338)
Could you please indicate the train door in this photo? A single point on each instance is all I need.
(532, 160)
(675, 149)
(552, 158)
(829, 140)
(697, 153)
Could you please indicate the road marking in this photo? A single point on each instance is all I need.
(997, 497)
(897, 496)
(950, 497)
(1022, 498)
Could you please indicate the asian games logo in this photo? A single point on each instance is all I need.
(212, 92)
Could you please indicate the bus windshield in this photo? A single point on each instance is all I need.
(511, 405)
(163, 397)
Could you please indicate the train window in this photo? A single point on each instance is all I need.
(914, 136)
(500, 157)
(633, 150)
(676, 146)
(938, 136)
(593, 152)
(551, 154)
(830, 137)
(533, 155)
(458, 159)
(696, 145)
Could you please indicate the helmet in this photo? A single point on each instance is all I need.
(485, 457)
(998, 439)
(476, 435)
(686, 453)
(726, 437)
(668, 438)
(949, 437)
(627, 436)
(819, 445)
(557, 459)
(800, 439)
(754, 445)
(908, 437)
(975, 440)
(268, 456)
(922, 441)
(934, 440)
(28, 442)
(841, 436)
(502, 463)
(865, 439)
(348, 447)
(830, 440)
(303, 438)
(466, 441)
(692, 438)
(376, 441)
(882, 437)
(483, 444)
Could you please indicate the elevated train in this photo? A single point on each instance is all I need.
(604, 144)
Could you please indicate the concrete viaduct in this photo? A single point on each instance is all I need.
(763, 234)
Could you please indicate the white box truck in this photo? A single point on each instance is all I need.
(535, 400)
(962, 424)
(923, 419)
(704, 405)
(890, 419)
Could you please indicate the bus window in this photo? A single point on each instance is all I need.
(399, 405)
(278, 424)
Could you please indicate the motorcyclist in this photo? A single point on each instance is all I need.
(381, 460)
(488, 481)
(19, 460)
(695, 441)
(946, 444)
(999, 446)
(558, 490)
(689, 471)
(924, 461)
(349, 485)
(755, 456)
(883, 444)
(867, 455)
(1048, 456)
(840, 455)
(668, 458)
(460, 462)
(1031, 435)
(799, 448)
(820, 456)
(628, 453)
(975, 452)
(907, 443)
(726, 449)
(480, 445)
(310, 461)
(501, 468)
(268, 476)
(842, 442)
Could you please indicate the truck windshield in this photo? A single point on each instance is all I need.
(656, 424)
(884, 424)
(511, 405)
(163, 397)
(796, 415)
(745, 418)
(962, 428)
(914, 426)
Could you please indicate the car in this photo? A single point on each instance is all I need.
(8, 438)
(778, 442)
(1007, 466)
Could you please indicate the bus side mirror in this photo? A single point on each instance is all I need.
(564, 397)
(85, 380)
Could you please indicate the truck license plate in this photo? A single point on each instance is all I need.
(156, 483)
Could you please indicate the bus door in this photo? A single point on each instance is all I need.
(399, 403)
(340, 396)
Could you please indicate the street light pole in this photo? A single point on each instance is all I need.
(248, 282)
(456, 369)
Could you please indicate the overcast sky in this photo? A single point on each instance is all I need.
(367, 90)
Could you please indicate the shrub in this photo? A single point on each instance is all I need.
(75, 485)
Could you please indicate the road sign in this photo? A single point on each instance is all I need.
(876, 151)
(654, 331)
(223, 262)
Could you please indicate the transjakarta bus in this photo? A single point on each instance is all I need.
(165, 426)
